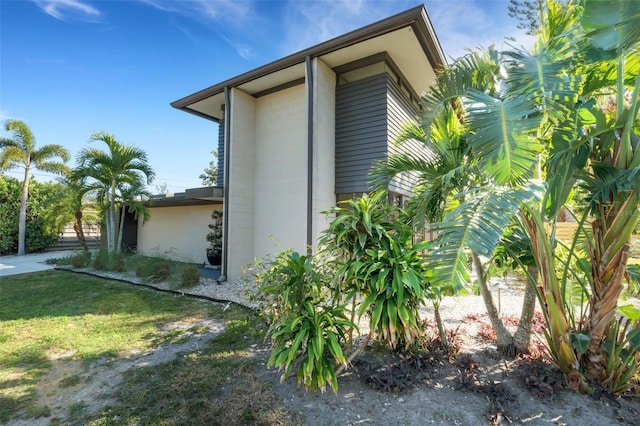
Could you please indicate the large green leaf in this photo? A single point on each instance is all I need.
(580, 341)
(612, 26)
(567, 158)
(477, 224)
(501, 135)
(474, 71)
(543, 77)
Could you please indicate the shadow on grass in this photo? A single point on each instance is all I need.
(18, 393)
(218, 385)
(66, 316)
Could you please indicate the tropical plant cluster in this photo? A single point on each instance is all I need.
(367, 266)
(112, 182)
(515, 137)
(42, 227)
(20, 152)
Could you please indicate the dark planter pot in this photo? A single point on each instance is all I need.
(214, 257)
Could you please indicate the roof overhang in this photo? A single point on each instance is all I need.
(191, 197)
(408, 38)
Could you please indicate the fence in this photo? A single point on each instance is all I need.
(68, 239)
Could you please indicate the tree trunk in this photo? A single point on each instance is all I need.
(22, 220)
(608, 269)
(504, 340)
(120, 229)
(111, 225)
(441, 330)
(77, 226)
(522, 336)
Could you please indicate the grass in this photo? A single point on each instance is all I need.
(64, 316)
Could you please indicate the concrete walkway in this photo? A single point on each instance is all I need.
(14, 265)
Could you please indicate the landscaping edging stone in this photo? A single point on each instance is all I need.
(210, 290)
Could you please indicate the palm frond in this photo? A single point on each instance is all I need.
(477, 224)
(11, 157)
(545, 77)
(47, 152)
(474, 71)
(500, 135)
(22, 135)
(612, 26)
(411, 131)
(53, 167)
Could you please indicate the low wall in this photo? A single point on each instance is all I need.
(178, 233)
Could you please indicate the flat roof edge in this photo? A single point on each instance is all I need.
(414, 17)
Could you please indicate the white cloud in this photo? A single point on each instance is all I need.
(307, 23)
(4, 115)
(244, 50)
(232, 18)
(70, 10)
(468, 24)
(231, 12)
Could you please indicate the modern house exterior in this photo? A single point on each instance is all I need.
(178, 225)
(301, 133)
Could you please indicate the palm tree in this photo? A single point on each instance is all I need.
(20, 151)
(449, 170)
(76, 206)
(131, 201)
(536, 135)
(110, 174)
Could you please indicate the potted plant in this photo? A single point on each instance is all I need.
(214, 251)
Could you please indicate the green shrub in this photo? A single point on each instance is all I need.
(189, 275)
(381, 271)
(310, 326)
(101, 261)
(80, 260)
(153, 269)
(118, 263)
(46, 215)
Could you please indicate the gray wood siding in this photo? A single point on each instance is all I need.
(400, 111)
(361, 131)
(220, 179)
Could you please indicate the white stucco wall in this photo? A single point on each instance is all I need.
(178, 233)
(324, 144)
(280, 171)
(241, 151)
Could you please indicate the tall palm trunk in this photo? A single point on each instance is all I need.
(509, 344)
(22, 220)
(111, 224)
(441, 329)
(522, 336)
(608, 254)
(77, 227)
(504, 340)
(121, 227)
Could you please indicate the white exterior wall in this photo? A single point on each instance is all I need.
(178, 233)
(324, 144)
(280, 178)
(241, 183)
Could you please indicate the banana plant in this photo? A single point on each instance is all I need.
(547, 121)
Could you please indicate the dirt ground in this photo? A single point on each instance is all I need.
(475, 387)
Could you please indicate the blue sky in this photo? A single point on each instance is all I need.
(69, 68)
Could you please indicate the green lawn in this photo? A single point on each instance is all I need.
(58, 314)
